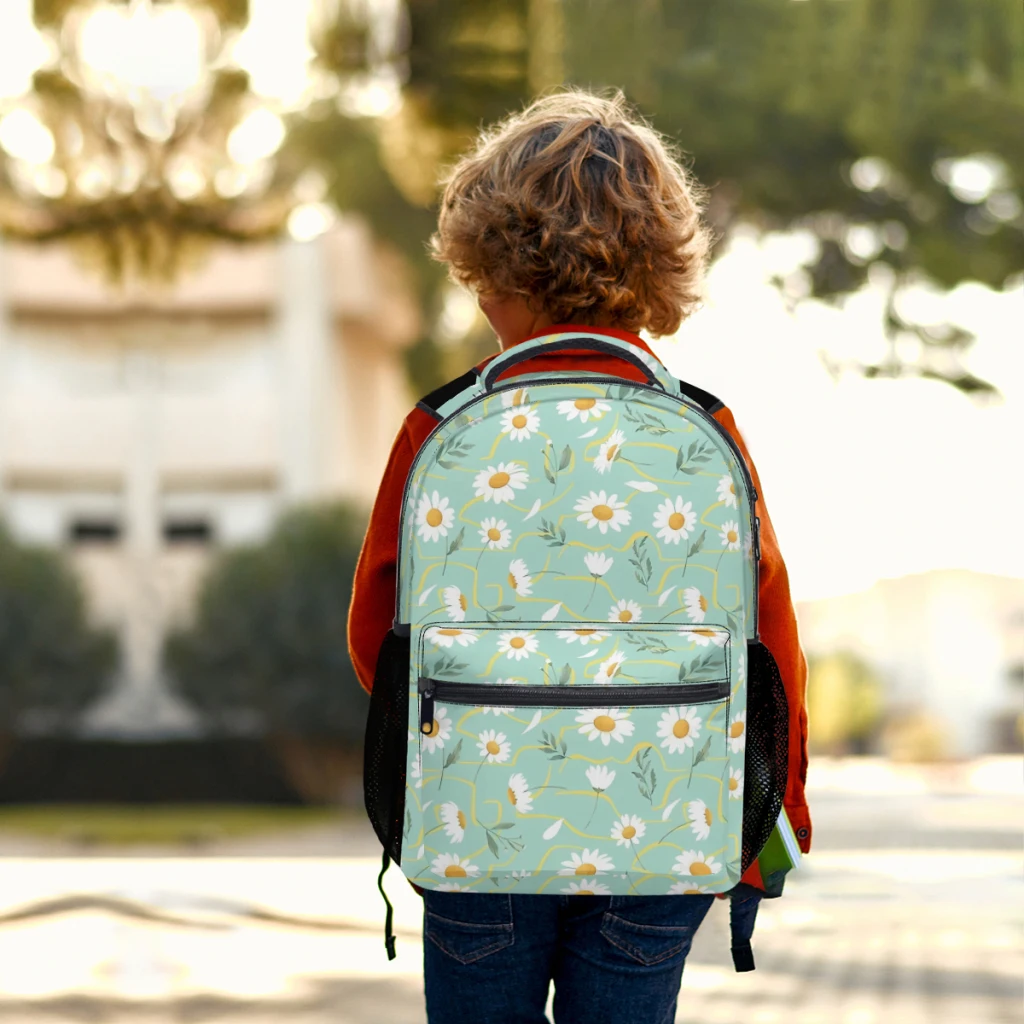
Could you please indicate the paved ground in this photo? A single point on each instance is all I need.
(909, 912)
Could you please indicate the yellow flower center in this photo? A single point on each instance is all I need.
(461, 819)
(736, 729)
(707, 816)
(612, 669)
(628, 832)
(492, 747)
(433, 729)
(602, 512)
(604, 723)
(610, 454)
(584, 632)
(681, 729)
(733, 784)
(499, 480)
(512, 581)
(517, 643)
(493, 534)
(676, 521)
(692, 892)
(584, 892)
(585, 403)
(625, 615)
(519, 421)
(455, 871)
(586, 869)
(449, 632)
(434, 517)
(705, 632)
(733, 536)
(511, 797)
(463, 603)
(519, 397)
(698, 867)
(703, 601)
(732, 488)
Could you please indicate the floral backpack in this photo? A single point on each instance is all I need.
(573, 698)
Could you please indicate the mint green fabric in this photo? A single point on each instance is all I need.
(574, 531)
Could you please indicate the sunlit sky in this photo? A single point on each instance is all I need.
(864, 479)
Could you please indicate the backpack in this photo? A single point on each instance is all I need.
(573, 698)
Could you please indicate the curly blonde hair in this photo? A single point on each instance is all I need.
(579, 206)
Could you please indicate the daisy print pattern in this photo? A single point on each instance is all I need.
(696, 604)
(434, 517)
(455, 603)
(700, 817)
(495, 534)
(447, 636)
(609, 669)
(590, 862)
(516, 398)
(674, 520)
(605, 723)
(735, 783)
(500, 484)
(454, 822)
(687, 889)
(519, 578)
(596, 563)
(516, 645)
(439, 731)
(625, 611)
(727, 492)
(609, 451)
(603, 511)
(678, 728)
(729, 535)
(696, 864)
(599, 777)
(449, 865)
(493, 746)
(585, 636)
(738, 732)
(587, 889)
(704, 637)
(584, 408)
(520, 423)
(628, 830)
(519, 795)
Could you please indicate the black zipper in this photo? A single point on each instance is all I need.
(505, 695)
(716, 426)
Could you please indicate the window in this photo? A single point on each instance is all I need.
(188, 531)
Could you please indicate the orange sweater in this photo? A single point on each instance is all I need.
(373, 594)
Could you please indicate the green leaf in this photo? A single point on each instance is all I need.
(564, 461)
(453, 757)
(503, 608)
(565, 675)
(503, 825)
(697, 544)
(457, 542)
(492, 844)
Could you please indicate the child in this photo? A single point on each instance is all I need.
(572, 213)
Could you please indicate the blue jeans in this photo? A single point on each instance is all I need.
(489, 957)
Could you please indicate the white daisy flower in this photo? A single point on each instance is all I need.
(416, 771)
(607, 723)
(597, 564)
(727, 491)
(450, 865)
(521, 874)
(515, 398)
(587, 889)
(674, 520)
(495, 534)
(609, 451)
(693, 862)
(628, 830)
(585, 636)
(678, 728)
(440, 729)
(735, 783)
(452, 887)
(454, 822)
(609, 669)
(520, 423)
(729, 535)
(599, 777)
(434, 517)
(738, 732)
(584, 408)
(519, 578)
(590, 862)
(602, 511)
(687, 889)
(696, 604)
(517, 644)
(490, 710)
(446, 636)
(455, 603)
(493, 746)
(704, 637)
(500, 484)
(625, 611)
(700, 817)
(519, 795)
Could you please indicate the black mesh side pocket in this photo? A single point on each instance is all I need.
(385, 749)
(767, 753)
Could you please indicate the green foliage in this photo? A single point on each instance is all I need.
(844, 700)
(269, 636)
(53, 664)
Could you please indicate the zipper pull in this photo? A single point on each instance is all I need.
(426, 706)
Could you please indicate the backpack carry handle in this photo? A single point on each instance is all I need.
(652, 370)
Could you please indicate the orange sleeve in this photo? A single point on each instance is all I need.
(777, 624)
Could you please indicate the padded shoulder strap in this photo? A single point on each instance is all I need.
(432, 403)
(704, 399)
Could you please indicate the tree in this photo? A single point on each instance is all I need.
(53, 664)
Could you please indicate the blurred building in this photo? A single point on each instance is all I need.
(948, 644)
(143, 431)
